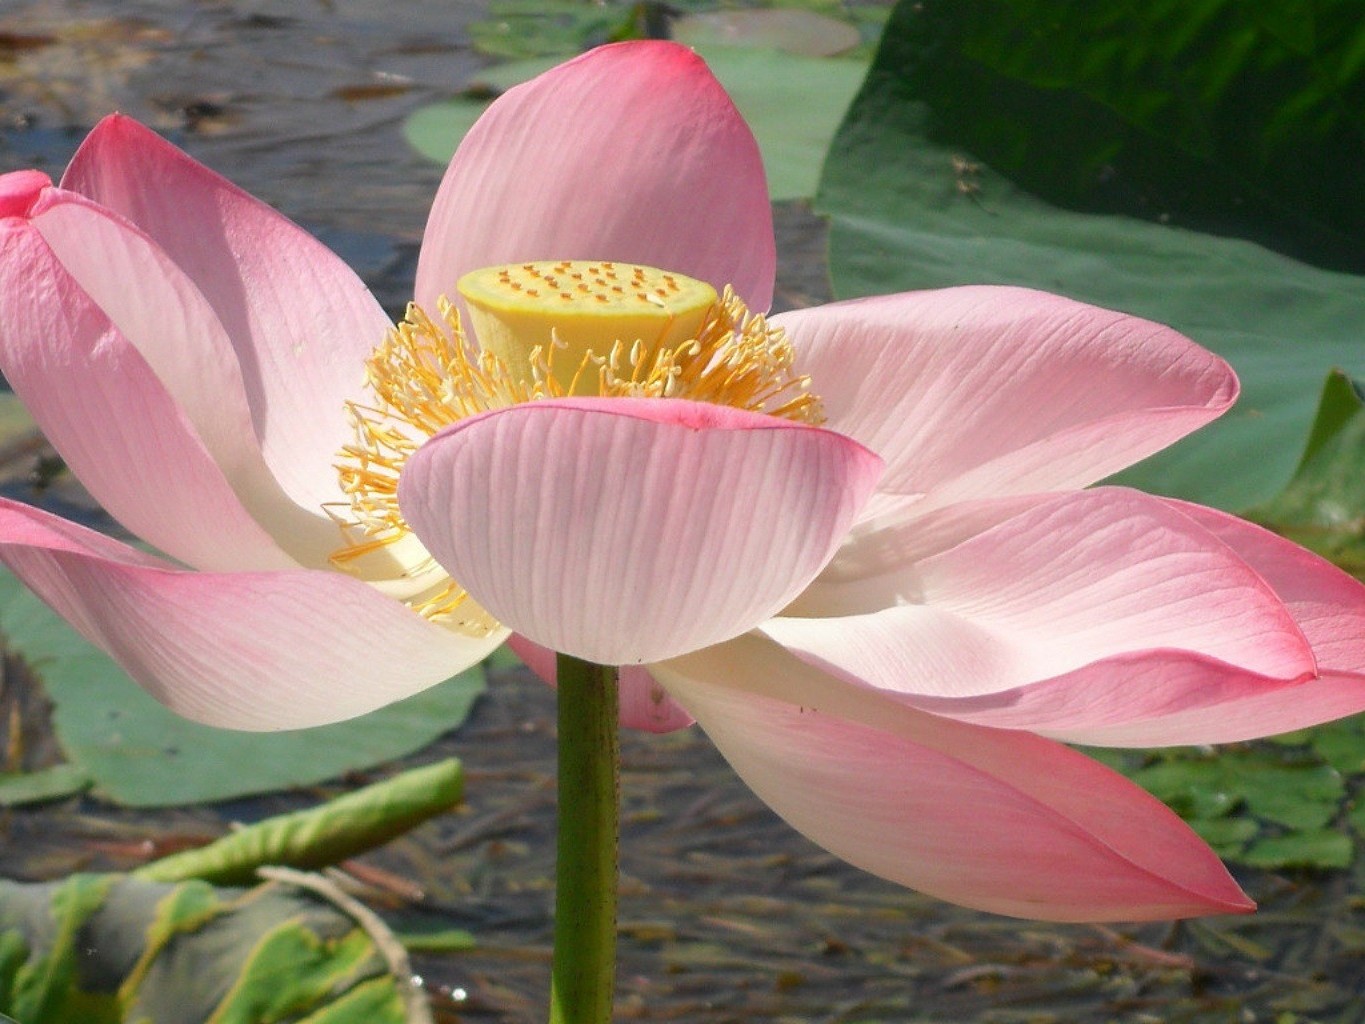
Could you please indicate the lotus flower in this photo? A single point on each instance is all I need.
(854, 542)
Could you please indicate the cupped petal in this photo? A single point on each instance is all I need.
(1086, 577)
(623, 531)
(1002, 821)
(119, 430)
(993, 391)
(300, 321)
(631, 152)
(160, 312)
(645, 704)
(248, 650)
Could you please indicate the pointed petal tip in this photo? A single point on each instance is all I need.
(117, 129)
(1001, 821)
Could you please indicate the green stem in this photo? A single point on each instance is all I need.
(585, 886)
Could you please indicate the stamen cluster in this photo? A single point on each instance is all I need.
(426, 376)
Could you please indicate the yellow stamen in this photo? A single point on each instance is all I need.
(545, 330)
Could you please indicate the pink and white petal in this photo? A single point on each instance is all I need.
(152, 304)
(896, 537)
(105, 411)
(632, 152)
(248, 650)
(997, 820)
(993, 391)
(645, 704)
(1138, 695)
(623, 531)
(301, 322)
(1250, 715)
(1329, 606)
(1086, 577)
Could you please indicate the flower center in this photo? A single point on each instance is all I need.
(542, 330)
(576, 307)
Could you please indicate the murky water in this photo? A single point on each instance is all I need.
(727, 915)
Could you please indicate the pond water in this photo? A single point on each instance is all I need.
(727, 915)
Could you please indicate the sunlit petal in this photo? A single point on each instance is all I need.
(623, 531)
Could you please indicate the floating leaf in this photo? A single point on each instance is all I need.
(1227, 836)
(1320, 848)
(1302, 797)
(791, 31)
(1261, 791)
(911, 209)
(139, 753)
(61, 780)
(520, 29)
(1323, 506)
(1341, 744)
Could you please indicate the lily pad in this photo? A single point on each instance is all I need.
(1321, 848)
(140, 754)
(521, 29)
(1323, 506)
(61, 780)
(793, 104)
(1227, 836)
(912, 208)
(1264, 805)
(790, 30)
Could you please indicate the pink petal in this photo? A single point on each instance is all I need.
(1001, 821)
(151, 303)
(1087, 577)
(102, 407)
(1329, 606)
(19, 190)
(300, 320)
(990, 391)
(631, 152)
(645, 704)
(624, 531)
(247, 650)
(1150, 699)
